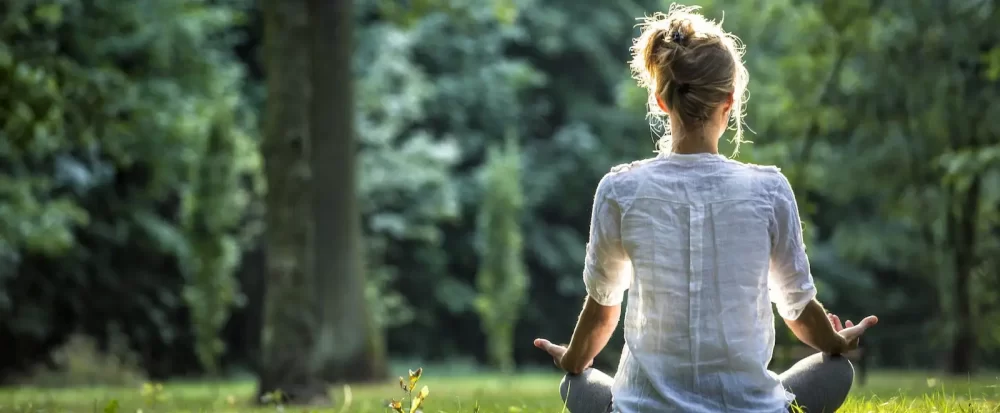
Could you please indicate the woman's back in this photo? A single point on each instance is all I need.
(699, 328)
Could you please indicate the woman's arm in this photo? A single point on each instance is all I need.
(593, 330)
(813, 328)
(790, 280)
(791, 283)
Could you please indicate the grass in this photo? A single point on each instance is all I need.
(533, 392)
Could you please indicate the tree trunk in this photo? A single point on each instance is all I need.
(352, 345)
(292, 314)
(963, 349)
(242, 333)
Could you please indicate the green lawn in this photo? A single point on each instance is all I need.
(885, 392)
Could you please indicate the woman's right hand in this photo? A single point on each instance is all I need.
(850, 332)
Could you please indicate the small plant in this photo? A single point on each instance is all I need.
(275, 398)
(111, 407)
(152, 394)
(81, 361)
(415, 401)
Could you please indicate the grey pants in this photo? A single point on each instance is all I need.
(820, 383)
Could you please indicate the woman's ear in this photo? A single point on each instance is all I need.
(662, 104)
(727, 106)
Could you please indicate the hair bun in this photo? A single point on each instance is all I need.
(681, 31)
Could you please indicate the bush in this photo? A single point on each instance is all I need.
(502, 280)
(79, 362)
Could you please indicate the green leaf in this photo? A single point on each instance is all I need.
(506, 11)
(992, 61)
(50, 13)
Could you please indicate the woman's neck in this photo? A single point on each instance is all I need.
(700, 138)
(694, 146)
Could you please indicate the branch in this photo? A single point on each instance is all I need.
(805, 153)
(810, 137)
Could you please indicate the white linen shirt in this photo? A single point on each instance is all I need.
(703, 245)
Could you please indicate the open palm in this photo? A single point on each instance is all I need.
(851, 332)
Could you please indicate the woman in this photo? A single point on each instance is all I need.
(703, 245)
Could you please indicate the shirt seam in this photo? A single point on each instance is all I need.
(622, 209)
(695, 203)
(774, 200)
(614, 192)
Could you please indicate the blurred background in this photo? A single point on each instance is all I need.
(181, 193)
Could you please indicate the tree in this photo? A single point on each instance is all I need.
(502, 280)
(351, 344)
(318, 328)
(293, 313)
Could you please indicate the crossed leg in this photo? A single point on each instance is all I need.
(820, 383)
(587, 392)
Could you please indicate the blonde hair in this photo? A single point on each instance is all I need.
(693, 65)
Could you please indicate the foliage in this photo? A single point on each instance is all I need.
(406, 187)
(502, 280)
(79, 362)
(212, 288)
(124, 162)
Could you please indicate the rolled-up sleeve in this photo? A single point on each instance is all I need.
(607, 269)
(790, 282)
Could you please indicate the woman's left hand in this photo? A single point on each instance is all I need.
(557, 352)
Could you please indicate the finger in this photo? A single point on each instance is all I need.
(851, 333)
(548, 347)
(553, 349)
(545, 344)
(869, 321)
(855, 331)
(849, 324)
(836, 323)
(556, 351)
(866, 322)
